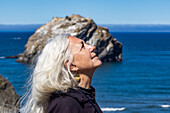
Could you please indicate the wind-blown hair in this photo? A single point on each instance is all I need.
(49, 75)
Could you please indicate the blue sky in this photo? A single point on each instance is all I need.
(101, 11)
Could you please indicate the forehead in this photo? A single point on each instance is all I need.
(74, 39)
(75, 44)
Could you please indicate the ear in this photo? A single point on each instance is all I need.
(72, 66)
(66, 63)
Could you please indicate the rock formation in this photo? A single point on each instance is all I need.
(107, 48)
(9, 99)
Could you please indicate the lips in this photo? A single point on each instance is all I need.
(94, 55)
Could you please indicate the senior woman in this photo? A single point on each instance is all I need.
(61, 79)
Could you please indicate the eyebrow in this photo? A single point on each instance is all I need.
(82, 44)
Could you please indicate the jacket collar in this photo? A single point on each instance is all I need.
(80, 94)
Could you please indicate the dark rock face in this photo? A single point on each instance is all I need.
(8, 97)
(107, 48)
(17, 56)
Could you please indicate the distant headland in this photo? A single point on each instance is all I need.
(111, 27)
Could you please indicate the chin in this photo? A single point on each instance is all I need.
(97, 63)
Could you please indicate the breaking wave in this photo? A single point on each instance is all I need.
(17, 38)
(2, 57)
(165, 106)
(113, 109)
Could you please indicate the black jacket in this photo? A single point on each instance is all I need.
(78, 100)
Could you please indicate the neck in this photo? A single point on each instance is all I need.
(85, 80)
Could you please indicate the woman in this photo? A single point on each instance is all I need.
(61, 80)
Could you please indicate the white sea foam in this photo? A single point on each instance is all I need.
(17, 38)
(164, 106)
(113, 109)
(1, 57)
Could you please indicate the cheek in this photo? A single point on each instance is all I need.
(83, 61)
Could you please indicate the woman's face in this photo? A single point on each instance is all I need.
(83, 56)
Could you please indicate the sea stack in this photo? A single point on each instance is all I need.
(9, 99)
(107, 47)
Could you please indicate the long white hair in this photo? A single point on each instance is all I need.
(49, 75)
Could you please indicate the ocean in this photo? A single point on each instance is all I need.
(138, 84)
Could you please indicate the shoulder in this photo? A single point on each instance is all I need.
(64, 104)
(66, 100)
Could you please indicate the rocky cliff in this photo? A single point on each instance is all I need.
(9, 99)
(107, 47)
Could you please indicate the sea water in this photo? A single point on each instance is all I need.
(138, 84)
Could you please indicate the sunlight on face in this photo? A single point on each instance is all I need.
(84, 57)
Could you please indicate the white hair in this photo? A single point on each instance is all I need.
(49, 75)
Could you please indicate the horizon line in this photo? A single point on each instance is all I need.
(97, 24)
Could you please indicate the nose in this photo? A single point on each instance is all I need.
(91, 48)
